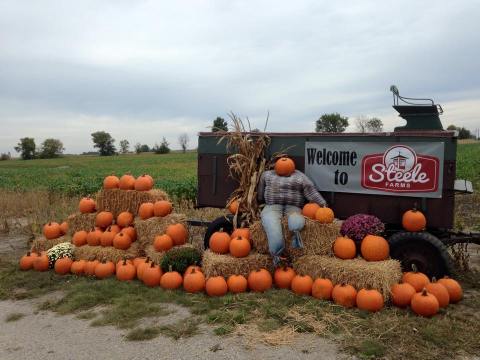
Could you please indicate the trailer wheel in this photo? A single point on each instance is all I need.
(424, 250)
(223, 222)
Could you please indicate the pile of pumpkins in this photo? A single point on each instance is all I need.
(237, 244)
(128, 182)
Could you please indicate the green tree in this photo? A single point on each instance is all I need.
(451, 127)
(333, 122)
(463, 133)
(51, 148)
(26, 147)
(104, 142)
(364, 124)
(219, 124)
(124, 145)
(162, 148)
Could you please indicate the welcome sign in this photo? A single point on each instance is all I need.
(386, 168)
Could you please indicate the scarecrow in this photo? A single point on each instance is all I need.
(284, 191)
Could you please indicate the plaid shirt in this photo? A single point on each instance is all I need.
(287, 190)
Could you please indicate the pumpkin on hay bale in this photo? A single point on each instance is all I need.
(317, 238)
(378, 275)
(117, 200)
(109, 253)
(225, 265)
(78, 222)
(44, 244)
(149, 228)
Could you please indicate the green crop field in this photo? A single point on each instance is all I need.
(468, 163)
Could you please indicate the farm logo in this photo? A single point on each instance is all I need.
(400, 169)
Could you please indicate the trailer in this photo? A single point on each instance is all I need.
(382, 174)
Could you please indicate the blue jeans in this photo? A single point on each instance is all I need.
(272, 224)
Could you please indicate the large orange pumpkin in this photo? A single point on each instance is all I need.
(220, 242)
(125, 271)
(63, 265)
(417, 279)
(194, 282)
(216, 286)
(127, 182)
(302, 284)
(104, 219)
(86, 205)
(78, 267)
(374, 248)
(142, 266)
(283, 277)
(104, 269)
(322, 289)
(162, 208)
(145, 211)
(26, 261)
(370, 300)
(124, 219)
(439, 291)
(243, 232)
(344, 248)
(345, 295)
(324, 215)
(151, 275)
(454, 289)
(284, 166)
(171, 280)
(143, 183)
(424, 304)
(414, 220)
(240, 247)
(111, 182)
(80, 238)
(94, 236)
(52, 230)
(402, 294)
(178, 233)
(310, 209)
(40, 263)
(121, 241)
(259, 280)
(237, 284)
(162, 243)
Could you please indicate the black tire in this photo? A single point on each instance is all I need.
(223, 222)
(424, 250)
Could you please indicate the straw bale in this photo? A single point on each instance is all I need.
(157, 256)
(116, 200)
(77, 222)
(149, 228)
(317, 238)
(44, 244)
(108, 253)
(359, 273)
(225, 265)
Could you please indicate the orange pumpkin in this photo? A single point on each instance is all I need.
(216, 286)
(233, 206)
(143, 183)
(417, 279)
(322, 289)
(369, 300)
(191, 268)
(259, 280)
(111, 182)
(219, 242)
(26, 261)
(178, 233)
(374, 248)
(94, 236)
(402, 294)
(78, 267)
(125, 271)
(162, 208)
(130, 231)
(104, 269)
(414, 220)
(345, 295)
(310, 209)
(240, 247)
(324, 215)
(124, 219)
(145, 211)
(243, 232)
(439, 291)
(454, 289)
(163, 243)
(237, 284)
(344, 248)
(79, 238)
(284, 166)
(120, 262)
(52, 230)
(90, 267)
(194, 282)
(283, 277)
(86, 205)
(104, 219)
(151, 275)
(121, 241)
(302, 285)
(40, 263)
(142, 266)
(62, 266)
(171, 279)
(115, 228)
(64, 228)
(424, 304)
(106, 239)
(127, 182)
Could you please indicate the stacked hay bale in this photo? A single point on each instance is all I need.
(118, 200)
(43, 244)
(225, 265)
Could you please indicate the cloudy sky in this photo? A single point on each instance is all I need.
(142, 70)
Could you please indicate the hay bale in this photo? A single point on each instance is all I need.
(44, 244)
(225, 265)
(317, 238)
(116, 200)
(359, 273)
(108, 253)
(148, 229)
(157, 256)
(77, 222)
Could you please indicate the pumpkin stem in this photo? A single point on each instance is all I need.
(124, 261)
(28, 253)
(152, 264)
(147, 260)
(424, 292)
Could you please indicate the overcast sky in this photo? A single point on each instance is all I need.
(142, 70)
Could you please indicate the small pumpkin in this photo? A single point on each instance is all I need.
(344, 248)
(104, 219)
(125, 271)
(171, 279)
(94, 236)
(414, 220)
(162, 208)
(194, 281)
(454, 289)
(162, 243)
(237, 284)
(402, 294)
(143, 183)
(345, 295)
(216, 286)
(106, 239)
(64, 228)
(111, 182)
(302, 284)
(86, 205)
(310, 209)
(145, 211)
(121, 241)
(90, 267)
(151, 275)
(125, 219)
(374, 248)
(178, 233)
(190, 269)
(244, 232)
(78, 267)
(415, 278)
(284, 166)
(26, 261)
(80, 238)
(322, 289)
(219, 242)
(41, 262)
(233, 206)
(63, 265)
(283, 277)
(324, 215)
(127, 182)
(370, 300)
(52, 230)
(104, 269)
(424, 304)
(130, 231)
(239, 247)
(439, 291)
(259, 280)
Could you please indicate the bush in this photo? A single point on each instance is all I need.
(180, 258)
(5, 156)
(356, 227)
